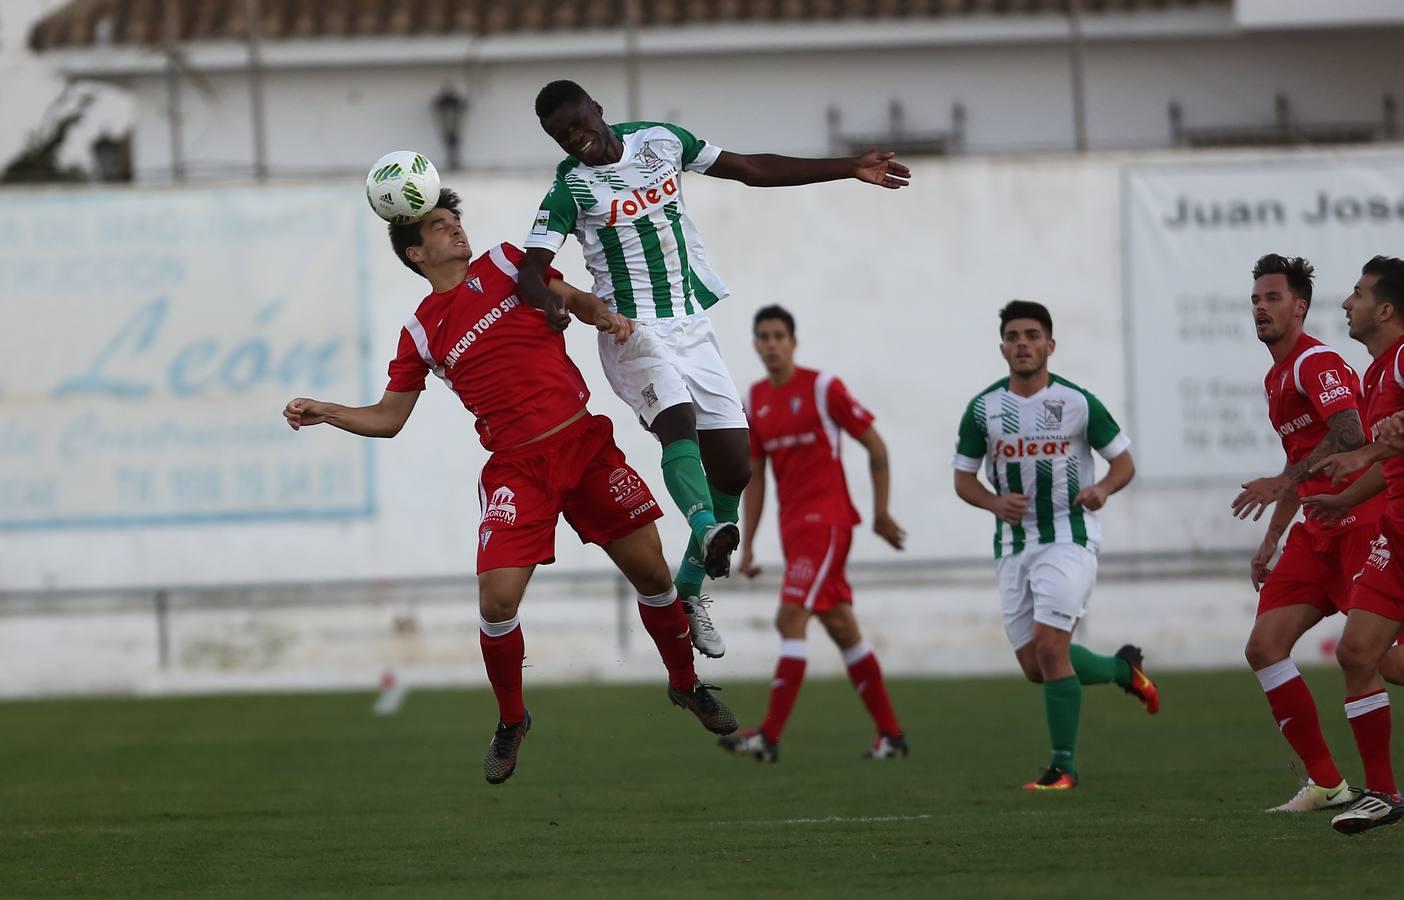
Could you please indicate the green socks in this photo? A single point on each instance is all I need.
(1094, 669)
(1062, 701)
(726, 508)
(687, 485)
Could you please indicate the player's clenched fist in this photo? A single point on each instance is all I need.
(303, 411)
(1009, 508)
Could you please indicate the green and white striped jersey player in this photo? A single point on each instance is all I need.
(620, 194)
(1034, 433)
(1039, 446)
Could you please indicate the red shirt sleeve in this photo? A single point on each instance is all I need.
(408, 368)
(515, 255)
(1329, 384)
(851, 416)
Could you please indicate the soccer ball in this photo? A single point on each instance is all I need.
(402, 187)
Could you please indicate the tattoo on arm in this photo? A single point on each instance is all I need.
(1343, 432)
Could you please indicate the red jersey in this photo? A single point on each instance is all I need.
(1384, 396)
(506, 364)
(797, 425)
(1308, 386)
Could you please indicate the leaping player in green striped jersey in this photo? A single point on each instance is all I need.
(619, 191)
(1034, 432)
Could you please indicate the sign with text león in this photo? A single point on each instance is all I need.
(150, 341)
(1192, 234)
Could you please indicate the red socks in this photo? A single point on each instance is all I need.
(1295, 712)
(665, 622)
(784, 687)
(503, 652)
(866, 675)
(1370, 720)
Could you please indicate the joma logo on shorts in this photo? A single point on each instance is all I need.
(1023, 449)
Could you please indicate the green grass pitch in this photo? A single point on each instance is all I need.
(618, 794)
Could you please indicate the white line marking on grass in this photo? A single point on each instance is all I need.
(825, 820)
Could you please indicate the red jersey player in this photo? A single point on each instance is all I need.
(549, 455)
(1375, 618)
(796, 416)
(1313, 403)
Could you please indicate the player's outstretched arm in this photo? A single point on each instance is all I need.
(752, 504)
(772, 170)
(592, 311)
(1120, 471)
(883, 524)
(1006, 507)
(383, 419)
(534, 291)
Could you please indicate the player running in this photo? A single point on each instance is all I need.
(796, 416)
(1035, 433)
(1375, 616)
(1313, 403)
(549, 455)
(619, 192)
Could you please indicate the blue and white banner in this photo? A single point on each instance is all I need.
(150, 341)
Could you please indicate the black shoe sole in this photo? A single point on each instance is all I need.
(718, 559)
(1358, 826)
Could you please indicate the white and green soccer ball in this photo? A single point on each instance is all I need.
(402, 187)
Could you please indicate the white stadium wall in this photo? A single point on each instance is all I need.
(154, 337)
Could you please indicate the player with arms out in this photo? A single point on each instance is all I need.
(797, 416)
(549, 455)
(1313, 401)
(1367, 650)
(620, 193)
(1034, 432)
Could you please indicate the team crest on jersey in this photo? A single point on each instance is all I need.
(795, 404)
(474, 284)
(651, 161)
(1052, 415)
(502, 507)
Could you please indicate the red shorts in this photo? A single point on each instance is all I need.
(1316, 569)
(815, 558)
(579, 472)
(1379, 588)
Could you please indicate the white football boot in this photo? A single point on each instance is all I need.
(1313, 797)
(705, 636)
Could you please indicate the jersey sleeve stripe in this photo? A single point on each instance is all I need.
(821, 403)
(421, 343)
(1119, 445)
(705, 157)
(1297, 366)
(551, 240)
(1398, 376)
(500, 260)
(966, 463)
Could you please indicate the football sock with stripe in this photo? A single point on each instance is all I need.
(1062, 702)
(664, 620)
(503, 652)
(726, 508)
(1370, 721)
(1294, 711)
(785, 686)
(866, 675)
(1092, 668)
(687, 485)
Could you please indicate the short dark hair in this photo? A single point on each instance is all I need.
(1025, 309)
(1389, 280)
(403, 237)
(557, 94)
(1298, 271)
(776, 312)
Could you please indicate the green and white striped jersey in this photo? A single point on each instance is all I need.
(1040, 446)
(639, 243)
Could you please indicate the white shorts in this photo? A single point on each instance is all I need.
(667, 362)
(1045, 583)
